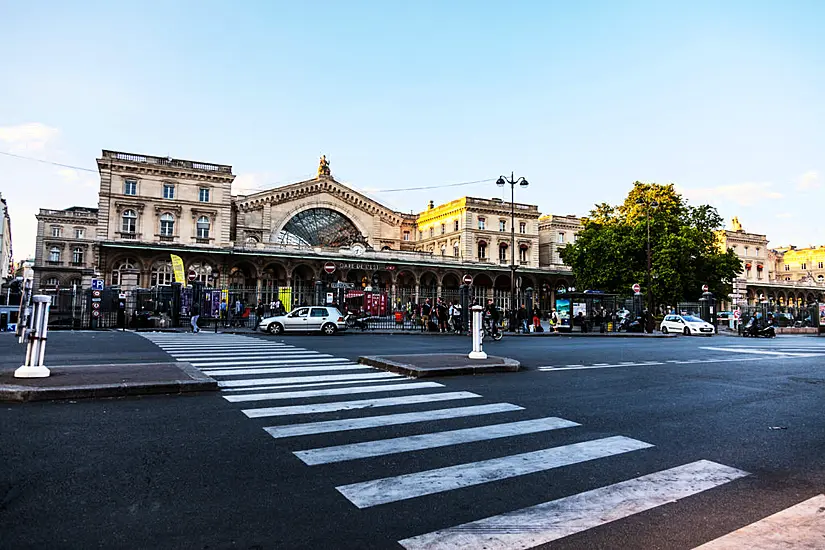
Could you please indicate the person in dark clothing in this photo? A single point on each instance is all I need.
(492, 316)
(426, 311)
(441, 310)
(521, 316)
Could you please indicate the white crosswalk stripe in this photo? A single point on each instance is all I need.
(553, 520)
(331, 391)
(253, 370)
(396, 445)
(359, 404)
(330, 426)
(391, 489)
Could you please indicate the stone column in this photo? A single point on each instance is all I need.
(417, 293)
(129, 279)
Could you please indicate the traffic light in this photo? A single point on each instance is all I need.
(364, 282)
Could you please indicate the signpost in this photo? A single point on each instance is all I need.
(467, 279)
(97, 285)
(329, 268)
(192, 275)
(637, 289)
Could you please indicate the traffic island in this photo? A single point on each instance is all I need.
(428, 365)
(112, 380)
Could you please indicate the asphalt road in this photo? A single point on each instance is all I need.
(197, 472)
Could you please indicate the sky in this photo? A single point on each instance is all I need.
(726, 99)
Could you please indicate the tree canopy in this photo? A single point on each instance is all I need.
(610, 252)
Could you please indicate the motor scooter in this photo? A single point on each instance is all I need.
(753, 330)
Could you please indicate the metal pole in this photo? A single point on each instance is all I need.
(36, 350)
(649, 293)
(512, 252)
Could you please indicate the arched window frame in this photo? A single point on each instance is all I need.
(167, 225)
(128, 222)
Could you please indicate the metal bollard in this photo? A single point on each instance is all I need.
(35, 336)
(478, 333)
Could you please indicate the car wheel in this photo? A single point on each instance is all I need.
(687, 331)
(664, 330)
(329, 329)
(275, 328)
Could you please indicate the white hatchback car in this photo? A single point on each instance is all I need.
(686, 324)
(325, 319)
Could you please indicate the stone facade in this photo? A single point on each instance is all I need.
(556, 232)
(65, 247)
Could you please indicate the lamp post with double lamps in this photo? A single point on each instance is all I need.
(501, 182)
(648, 205)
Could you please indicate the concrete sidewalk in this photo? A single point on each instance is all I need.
(111, 380)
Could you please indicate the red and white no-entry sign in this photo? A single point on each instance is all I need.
(637, 288)
(192, 275)
(705, 288)
(329, 267)
(467, 279)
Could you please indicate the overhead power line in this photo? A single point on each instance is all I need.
(42, 161)
(48, 162)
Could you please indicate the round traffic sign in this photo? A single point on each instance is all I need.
(96, 293)
(737, 314)
(95, 305)
(705, 288)
(329, 267)
(637, 288)
(467, 279)
(192, 275)
(95, 313)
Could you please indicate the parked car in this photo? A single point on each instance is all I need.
(325, 319)
(686, 324)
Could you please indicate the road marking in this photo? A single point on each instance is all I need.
(800, 526)
(317, 366)
(330, 426)
(396, 445)
(762, 352)
(276, 370)
(361, 404)
(304, 379)
(257, 360)
(543, 523)
(226, 346)
(284, 362)
(315, 385)
(601, 366)
(331, 391)
(393, 489)
(222, 354)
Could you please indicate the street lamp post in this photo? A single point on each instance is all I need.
(648, 206)
(502, 180)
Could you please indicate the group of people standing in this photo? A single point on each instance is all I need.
(442, 316)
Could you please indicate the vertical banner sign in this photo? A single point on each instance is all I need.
(177, 267)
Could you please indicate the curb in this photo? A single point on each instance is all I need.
(196, 382)
(408, 369)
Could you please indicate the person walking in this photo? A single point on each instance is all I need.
(426, 311)
(554, 320)
(536, 318)
(259, 311)
(196, 313)
(442, 315)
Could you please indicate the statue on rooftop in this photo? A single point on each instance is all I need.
(323, 167)
(735, 225)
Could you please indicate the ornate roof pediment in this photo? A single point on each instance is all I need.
(318, 186)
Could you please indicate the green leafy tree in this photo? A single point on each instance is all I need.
(610, 253)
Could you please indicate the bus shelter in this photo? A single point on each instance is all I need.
(594, 310)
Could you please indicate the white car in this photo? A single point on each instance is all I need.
(686, 324)
(325, 319)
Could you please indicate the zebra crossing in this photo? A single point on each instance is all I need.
(296, 387)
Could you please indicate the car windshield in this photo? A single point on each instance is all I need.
(692, 319)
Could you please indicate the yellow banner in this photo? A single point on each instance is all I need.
(177, 267)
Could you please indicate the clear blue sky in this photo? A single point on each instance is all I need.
(723, 98)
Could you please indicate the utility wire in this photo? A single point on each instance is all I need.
(264, 188)
(47, 162)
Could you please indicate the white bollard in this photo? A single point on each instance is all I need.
(36, 348)
(478, 333)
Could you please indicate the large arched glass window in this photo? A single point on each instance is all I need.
(203, 227)
(203, 273)
(161, 274)
(167, 225)
(128, 263)
(129, 224)
(318, 227)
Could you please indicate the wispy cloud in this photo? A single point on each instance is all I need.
(741, 194)
(809, 181)
(32, 136)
